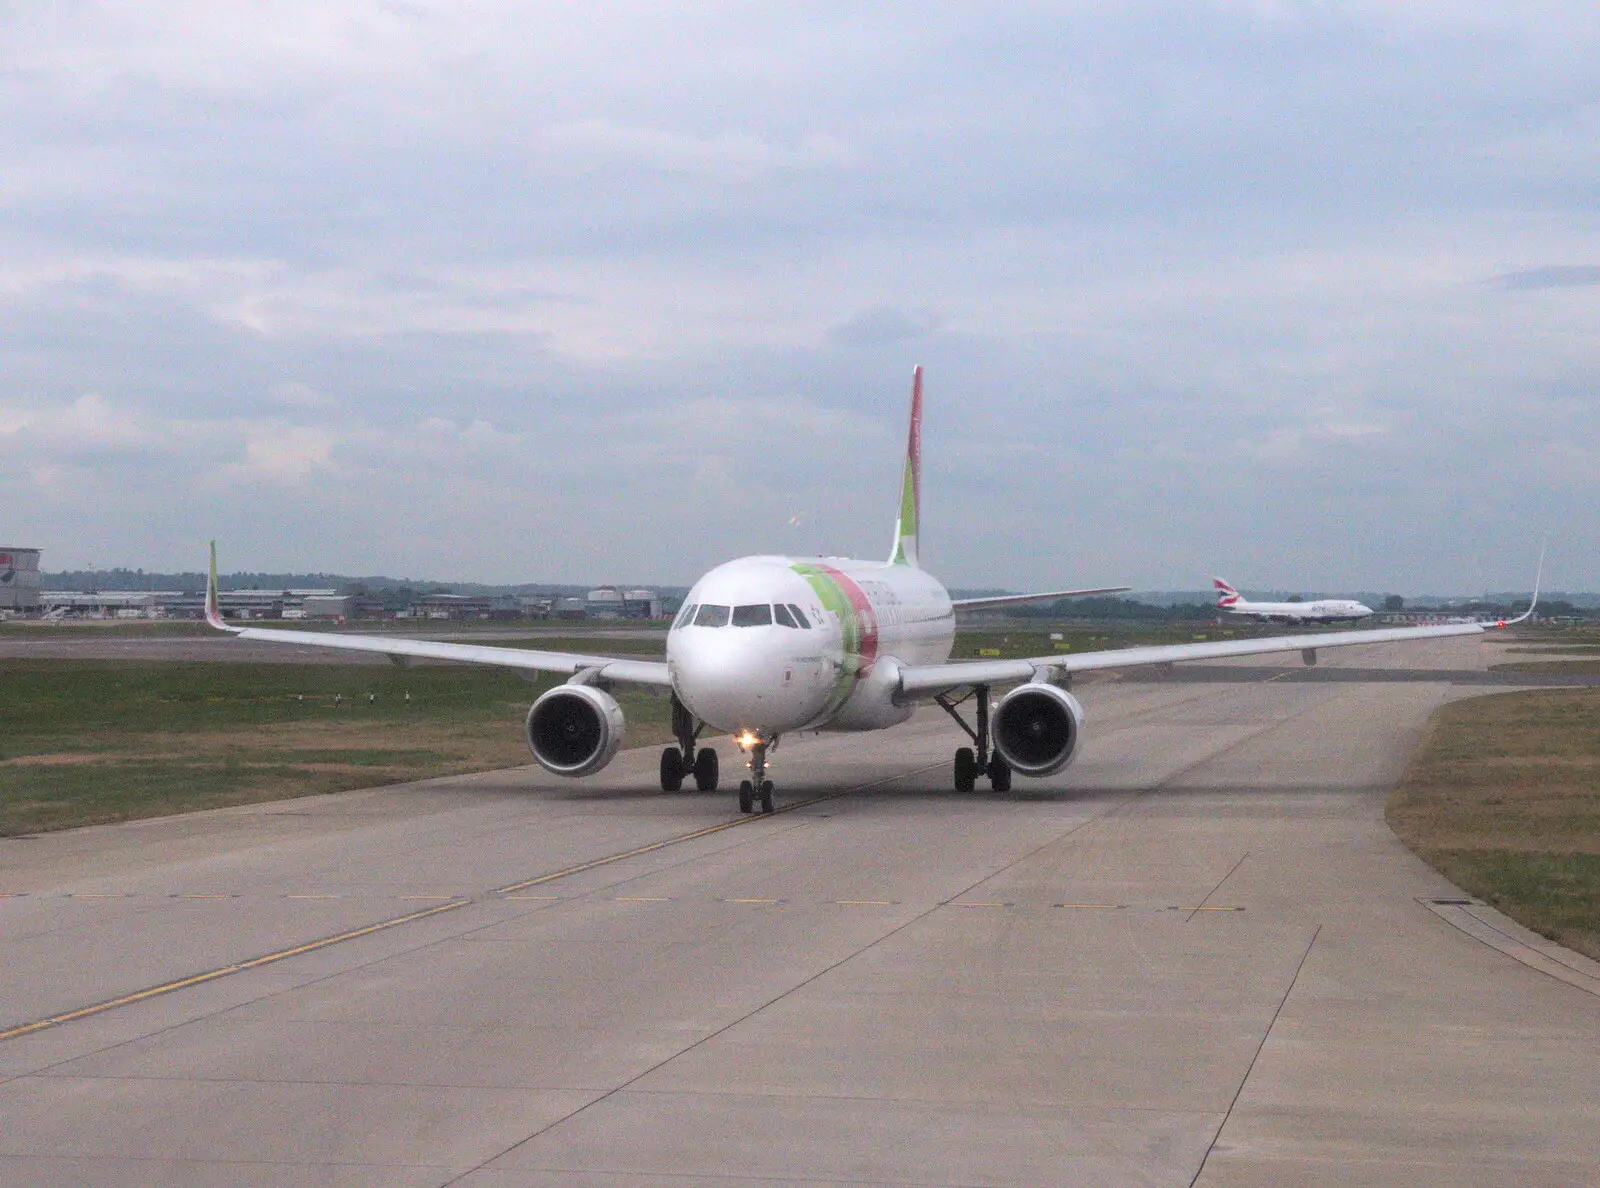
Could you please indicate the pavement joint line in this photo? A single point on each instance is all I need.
(224, 971)
(642, 899)
(1206, 898)
(327, 941)
(1265, 1036)
(752, 901)
(629, 1082)
(1515, 947)
(695, 835)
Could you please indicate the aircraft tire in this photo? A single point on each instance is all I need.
(966, 773)
(747, 796)
(766, 796)
(999, 774)
(705, 770)
(671, 769)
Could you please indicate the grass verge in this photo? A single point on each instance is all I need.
(1503, 798)
(87, 742)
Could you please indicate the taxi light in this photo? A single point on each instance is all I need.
(746, 740)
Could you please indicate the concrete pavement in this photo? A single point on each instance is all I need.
(1196, 956)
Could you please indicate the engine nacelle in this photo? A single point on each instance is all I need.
(575, 730)
(1036, 728)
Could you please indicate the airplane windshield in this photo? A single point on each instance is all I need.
(755, 615)
(711, 616)
(781, 613)
(799, 616)
(686, 615)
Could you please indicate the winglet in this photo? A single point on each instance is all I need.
(213, 610)
(905, 527)
(1538, 577)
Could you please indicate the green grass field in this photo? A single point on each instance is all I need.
(84, 742)
(1503, 797)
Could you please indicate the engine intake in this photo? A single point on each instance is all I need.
(1036, 728)
(575, 730)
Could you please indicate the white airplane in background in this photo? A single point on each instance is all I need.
(767, 646)
(1323, 610)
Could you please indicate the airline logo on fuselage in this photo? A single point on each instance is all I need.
(858, 623)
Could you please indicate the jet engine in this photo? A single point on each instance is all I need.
(575, 730)
(1036, 728)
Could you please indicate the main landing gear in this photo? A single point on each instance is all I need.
(683, 761)
(979, 759)
(757, 787)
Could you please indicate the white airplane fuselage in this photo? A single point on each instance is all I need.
(739, 666)
(1324, 610)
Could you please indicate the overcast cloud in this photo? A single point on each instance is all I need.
(1303, 293)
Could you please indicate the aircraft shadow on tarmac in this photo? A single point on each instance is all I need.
(931, 790)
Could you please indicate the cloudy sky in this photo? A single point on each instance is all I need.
(1304, 293)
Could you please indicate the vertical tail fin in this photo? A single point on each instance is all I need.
(213, 608)
(905, 528)
(1226, 594)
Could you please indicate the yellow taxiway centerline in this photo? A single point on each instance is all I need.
(500, 892)
(214, 974)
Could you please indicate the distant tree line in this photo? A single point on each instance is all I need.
(91, 581)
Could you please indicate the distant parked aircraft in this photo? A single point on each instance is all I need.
(1324, 610)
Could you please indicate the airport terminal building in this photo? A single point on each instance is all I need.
(19, 579)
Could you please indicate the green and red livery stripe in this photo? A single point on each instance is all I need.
(905, 539)
(858, 624)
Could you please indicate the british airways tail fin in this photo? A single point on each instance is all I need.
(905, 527)
(1226, 595)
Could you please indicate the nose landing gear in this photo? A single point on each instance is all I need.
(757, 786)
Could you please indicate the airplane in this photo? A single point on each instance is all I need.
(768, 646)
(1323, 610)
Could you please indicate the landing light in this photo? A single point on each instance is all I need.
(746, 740)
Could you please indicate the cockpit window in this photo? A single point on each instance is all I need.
(799, 616)
(686, 615)
(711, 616)
(781, 613)
(757, 614)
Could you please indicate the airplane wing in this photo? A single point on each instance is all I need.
(928, 680)
(1013, 599)
(605, 668)
(923, 681)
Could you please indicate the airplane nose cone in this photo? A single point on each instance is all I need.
(733, 679)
